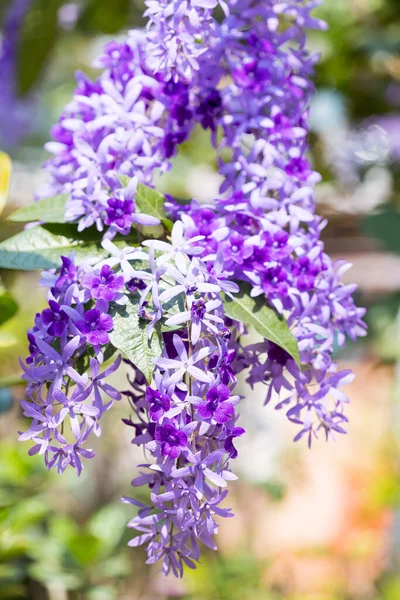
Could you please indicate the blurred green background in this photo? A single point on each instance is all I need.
(310, 525)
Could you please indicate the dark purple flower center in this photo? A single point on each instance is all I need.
(119, 212)
(55, 319)
(277, 354)
(158, 403)
(191, 288)
(135, 284)
(172, 440)
(198, 309)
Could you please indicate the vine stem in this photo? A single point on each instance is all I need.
(190, 384)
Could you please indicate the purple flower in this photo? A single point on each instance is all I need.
(135, 284)
(185, 363)
(159, 403)
(217, 406)
(209, 109)
(228, 444)
(237, 250)
(103, 285)
(95, 327)
(172, 440)
(67, 274)
(55, 319)
(277, 354)
(99, 386)
(225, 370)
(200, 315)
(119, 213)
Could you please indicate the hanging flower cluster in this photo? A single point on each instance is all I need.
(175, 288)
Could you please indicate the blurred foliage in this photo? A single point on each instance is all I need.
(41, 544)
(105, 17)
(43, 25)
(37, 38)
(237, 577)
(385, 227)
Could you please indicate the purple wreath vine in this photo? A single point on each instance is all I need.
(173, 288)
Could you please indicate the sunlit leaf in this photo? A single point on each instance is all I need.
(38, 248)
(49, 210)
(130, 336)
(151, 202)
(265, 320)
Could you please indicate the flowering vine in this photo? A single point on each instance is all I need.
(175, 288)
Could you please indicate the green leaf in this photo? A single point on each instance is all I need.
(130, 336)
(150, 202)
(36, 40)
(264, 319)
(172, 308)
(49, 210)
(8, 307)
(124, 180)
(38, 248)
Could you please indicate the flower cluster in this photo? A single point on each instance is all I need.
(186, 417)
(178, 34)
(65, 387)
(266, 226)
(248, 79)
(128, 123)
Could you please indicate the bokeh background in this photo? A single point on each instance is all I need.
(310, 525)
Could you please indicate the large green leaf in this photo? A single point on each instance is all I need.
(130, 336)
(264, 319)
(38, 248)
(151, 202)
(35, 42)
(49, 210)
